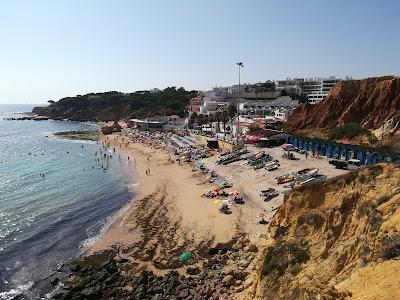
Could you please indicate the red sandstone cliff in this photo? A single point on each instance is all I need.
(369, 102)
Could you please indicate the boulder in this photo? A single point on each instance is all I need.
(228, 280)
(111, 129)
(193, 270)
(253, 248)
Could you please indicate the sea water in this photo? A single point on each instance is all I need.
(55, 199)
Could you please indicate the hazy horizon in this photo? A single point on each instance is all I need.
(66, 48)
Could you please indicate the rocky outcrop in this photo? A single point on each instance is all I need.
(325, 233)
(221, 274)
(111, 129)
(369, 102)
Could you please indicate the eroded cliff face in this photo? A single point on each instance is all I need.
(330, 239)
(369, 102)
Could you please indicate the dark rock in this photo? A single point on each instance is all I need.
(239, 275)
(183, 294)
(182, 287)
(110, 280)
(193, 270)
(253, 248)
(123, 261)
(91, 293)
(111, 129)
(75, 268)
(112, 268)
(55, 281)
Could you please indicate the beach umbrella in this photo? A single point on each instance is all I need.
(218, 202)
(234, 193)
(185, 256)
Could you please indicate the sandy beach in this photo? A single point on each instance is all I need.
(168, 215)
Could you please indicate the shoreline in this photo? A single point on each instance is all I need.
(123, 231)
(169, 216)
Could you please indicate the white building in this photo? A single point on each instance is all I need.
(267, 107)
(282, 114)
(316, 89)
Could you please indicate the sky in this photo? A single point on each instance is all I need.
(53, 49)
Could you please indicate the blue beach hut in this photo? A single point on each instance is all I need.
(375, 157)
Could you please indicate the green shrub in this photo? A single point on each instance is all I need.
(300, 255)
(391, 246)
(383, 199)
(267, 260)
(296, 270)
(372, 139)
(350, 130)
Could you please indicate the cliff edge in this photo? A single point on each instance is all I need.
(369, 102)
(337, 240)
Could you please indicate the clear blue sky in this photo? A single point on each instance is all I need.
(55, 48)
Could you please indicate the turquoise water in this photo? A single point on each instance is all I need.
(46, 220)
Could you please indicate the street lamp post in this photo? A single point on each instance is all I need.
(240, 65)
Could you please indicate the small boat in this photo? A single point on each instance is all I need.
(285, 180)
(271, 196)
(272, 162)
(267, 191)
(259, 166)
(272, 168)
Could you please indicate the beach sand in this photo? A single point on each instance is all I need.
(168, 215)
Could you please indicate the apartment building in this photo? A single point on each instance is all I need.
(316, 89)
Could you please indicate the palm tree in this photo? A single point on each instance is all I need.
(218, 117)
(232, 114)
(193, 118)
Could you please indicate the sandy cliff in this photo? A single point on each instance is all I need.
(369, 102)
(337, 240)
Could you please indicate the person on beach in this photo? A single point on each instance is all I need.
(306, 154)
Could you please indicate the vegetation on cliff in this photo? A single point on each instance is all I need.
(330, 239)
(111, 106)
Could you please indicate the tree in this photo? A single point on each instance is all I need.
(193, 117)
(224, 119)
(232, 113)
(218, 117)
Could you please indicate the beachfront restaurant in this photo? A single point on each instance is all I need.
(267, 138)
(367, 156)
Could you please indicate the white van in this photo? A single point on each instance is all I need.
(353, 164)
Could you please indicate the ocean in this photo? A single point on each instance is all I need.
(46, 220)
